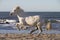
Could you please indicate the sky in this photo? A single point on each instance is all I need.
(31, 5)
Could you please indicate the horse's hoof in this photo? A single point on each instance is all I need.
(31, 32)
(39, 34)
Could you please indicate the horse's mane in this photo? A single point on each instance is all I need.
(17, 8)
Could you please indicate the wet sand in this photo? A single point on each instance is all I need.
(29, 37)
(53, 34)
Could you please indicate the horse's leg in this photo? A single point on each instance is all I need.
(18, 26)
(48, 26)
(23, 27)
(39, 26)
(33, 30)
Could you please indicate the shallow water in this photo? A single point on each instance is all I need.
(11, 28)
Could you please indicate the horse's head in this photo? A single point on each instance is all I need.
(16, 11)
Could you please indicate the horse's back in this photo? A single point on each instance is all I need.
(31, 20)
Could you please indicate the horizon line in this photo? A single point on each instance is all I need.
(33, 11)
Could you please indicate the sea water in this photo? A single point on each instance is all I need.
(11, 28)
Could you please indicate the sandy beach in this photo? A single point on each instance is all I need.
(29, 37)
(53, 34)
(20, 18)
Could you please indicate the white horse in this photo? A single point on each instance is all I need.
(29, 20)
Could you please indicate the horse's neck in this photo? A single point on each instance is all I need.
(20, 14)
(20, 18)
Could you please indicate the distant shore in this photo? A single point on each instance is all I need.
(29, 37)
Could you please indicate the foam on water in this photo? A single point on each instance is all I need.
(11, 28)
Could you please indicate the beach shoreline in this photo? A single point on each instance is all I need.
(29, 37)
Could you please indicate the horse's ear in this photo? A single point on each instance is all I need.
(18, 7)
